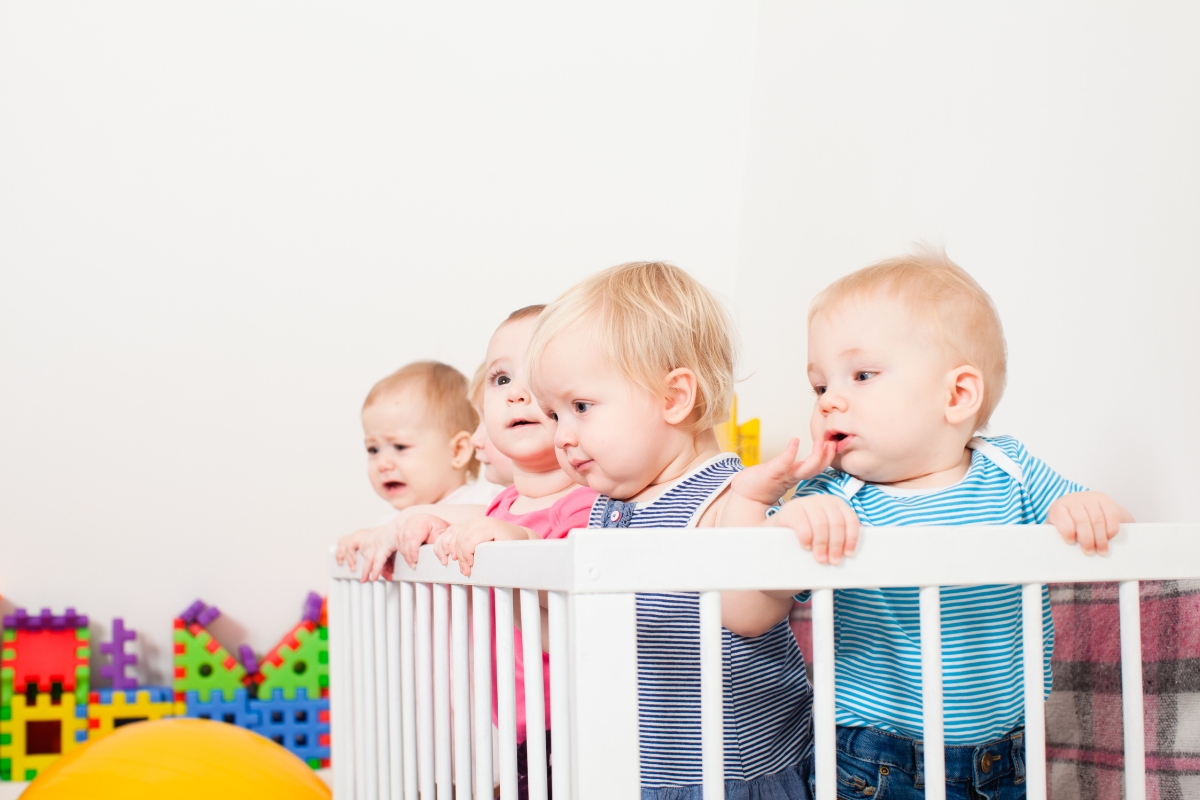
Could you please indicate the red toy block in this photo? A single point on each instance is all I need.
(44, 657)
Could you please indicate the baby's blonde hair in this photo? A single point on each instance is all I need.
(962, 312)
(652, 318)
(446, 397)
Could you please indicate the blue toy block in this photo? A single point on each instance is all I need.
(81, 712)
(158, 694)
(301, 725)
(235, 711)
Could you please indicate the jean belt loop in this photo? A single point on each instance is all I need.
(1018, 754)
(919, 762)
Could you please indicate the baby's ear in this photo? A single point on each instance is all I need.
(461, 450)
(965, 395)
(682, 391)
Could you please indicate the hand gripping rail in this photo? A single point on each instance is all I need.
(412, 718)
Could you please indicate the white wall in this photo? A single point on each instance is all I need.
(1052, 148)
(220, 222)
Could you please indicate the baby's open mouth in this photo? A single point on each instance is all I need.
(518, 422)
(392, 486)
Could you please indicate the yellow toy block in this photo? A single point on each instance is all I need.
(105, 717)
(38, 734)
(741, 439)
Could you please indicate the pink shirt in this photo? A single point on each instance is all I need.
(553, 522)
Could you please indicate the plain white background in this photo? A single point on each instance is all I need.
(220, 222)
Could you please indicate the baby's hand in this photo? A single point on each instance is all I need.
(461, 539)
(824, 524)
(765, 483)
(1089, 518)
(418, 529)
(347, 546)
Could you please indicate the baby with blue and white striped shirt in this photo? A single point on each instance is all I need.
(907, 359)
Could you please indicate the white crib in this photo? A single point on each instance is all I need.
(408, 711)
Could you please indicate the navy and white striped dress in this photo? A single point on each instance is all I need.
(768, 700)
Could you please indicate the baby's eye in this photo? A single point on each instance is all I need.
(372, 450)
(400, 447)
(864, 376)
(581, 408)
(819, 390)
(552, 415)
(502, 380)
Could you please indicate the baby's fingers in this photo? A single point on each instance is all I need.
(820, 523)
(816, 462)
(378, 562)
(1099, 525)
(1060, 517)
(1083, 528)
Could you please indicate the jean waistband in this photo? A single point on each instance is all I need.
(978, 763)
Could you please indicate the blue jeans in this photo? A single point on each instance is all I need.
(877, 765)
(789, 784)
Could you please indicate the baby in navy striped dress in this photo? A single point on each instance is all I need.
(907, 359)
(636, 365)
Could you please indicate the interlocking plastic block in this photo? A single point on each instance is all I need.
(202, 664)
(47, 655)
(191, 612)
(312, 608)
(109, 709)
(121, 660)
(299, 661)
(35, 734)
(300, 724)
(236, 710)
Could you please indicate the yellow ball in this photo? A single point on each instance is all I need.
(181, 759)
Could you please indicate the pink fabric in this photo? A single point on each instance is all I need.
(554, 522)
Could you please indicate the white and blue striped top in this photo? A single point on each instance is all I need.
(877, 631)
(768, 700)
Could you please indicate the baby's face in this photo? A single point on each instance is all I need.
(610, 431)
(497, 467)
(515, 424)
(881, 379)
(410, 458)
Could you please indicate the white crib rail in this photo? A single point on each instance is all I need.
(591, 579)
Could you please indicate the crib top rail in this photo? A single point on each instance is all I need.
(709, 559)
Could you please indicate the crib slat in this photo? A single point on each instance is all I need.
(461, 677)
(560, 696)
(356, 669)
(1131, 690)
(481, 617)
(425, 734)
(370, 740)
(383, 701)
(931, 693)
(444, 780)
(535, 697)
(824, 696)
(506, 688)
(340, 712)
(395, 701)
(1035, 691)
(712, 697)
(408, 688)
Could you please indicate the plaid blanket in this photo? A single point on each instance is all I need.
(1084, 734)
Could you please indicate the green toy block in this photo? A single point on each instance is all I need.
(299, 661)
(202, 664)
(5, 769)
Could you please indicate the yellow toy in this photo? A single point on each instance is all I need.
(741, 439)
(38, 734)
(180, 759)
(110, 709)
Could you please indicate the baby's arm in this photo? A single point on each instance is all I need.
(459, 541)
(755, 489)
(1089, 519)
(824, 524)
(411, 528)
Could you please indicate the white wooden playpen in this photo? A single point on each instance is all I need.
(412, 719)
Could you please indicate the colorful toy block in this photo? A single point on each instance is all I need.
(44, 654)
(740, 438)
(299, 662)
(236, 710)
(34, 734)
(109, 709)
(313, 605)
(300, 724)
(121, 660)
(202, 664)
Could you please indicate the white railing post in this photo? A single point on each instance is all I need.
(481, 613)
(425, 733)
(506, 693)
(712, 697)
(444, 776)
(382, 700)
(1131, 690)
(408, 689)
(341, 714)
(460, 674)
(604, 697)
(535, 697)
(824, 724)
(396, 706)
(933, 734)
(369, 743)
(1035, 691)
(560, 705)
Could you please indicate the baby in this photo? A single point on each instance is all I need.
(497, 467)
(907, 359)
(417, 425)
(636, 365)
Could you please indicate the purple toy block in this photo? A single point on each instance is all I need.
(21, 620)
(208, 615)
(312, 608)
(248, 660)
(190, 613)
(120, 659)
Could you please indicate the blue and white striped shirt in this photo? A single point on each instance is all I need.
(768, 700)
(878, 639)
